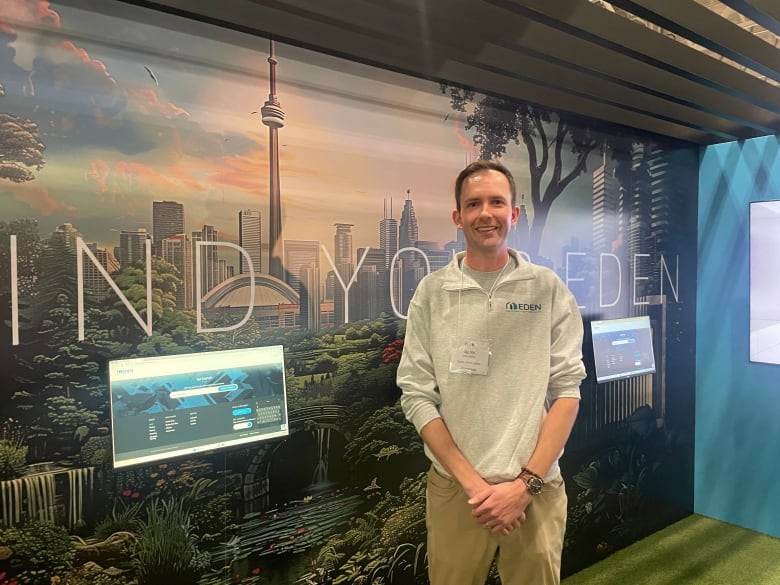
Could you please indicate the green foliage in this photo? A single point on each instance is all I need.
(66, 414)
(20, 140)
(384, 546)
(174, 480)
(123, 518)
(93, 574)
(39, 551)
(167, 551)
(13, 459)
(615, 489)
(213, 515)
(407, 524)
(13, 451)
(28, 253)
(96, 451)
(56, 282)
(385, 445)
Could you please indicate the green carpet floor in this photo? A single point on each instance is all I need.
(696, 550)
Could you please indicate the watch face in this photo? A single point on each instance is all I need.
(535, 486)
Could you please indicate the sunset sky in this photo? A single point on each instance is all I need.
(116, 139)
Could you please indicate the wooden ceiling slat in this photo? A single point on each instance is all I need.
(711, 31)
(570, 55)
(561, 100)
(769, 7)
(606, 91)
(611, 29)
(616, 65)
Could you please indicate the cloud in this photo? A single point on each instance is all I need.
(98, 173)
(121, 180)
(244, 172)
(34, 13)
(79, 103)
(463, 139)
(37, 197)
(148, 102)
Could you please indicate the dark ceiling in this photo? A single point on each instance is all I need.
(704, 71)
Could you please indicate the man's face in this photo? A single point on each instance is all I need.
(486, 212)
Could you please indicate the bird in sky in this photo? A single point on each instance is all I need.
(152, 75)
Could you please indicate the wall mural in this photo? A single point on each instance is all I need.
(169, 188)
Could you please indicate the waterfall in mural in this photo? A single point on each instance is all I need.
(323, 449)
(35, 496)
(78, 480)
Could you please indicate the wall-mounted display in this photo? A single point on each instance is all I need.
(765, 282)
(622, 348)
(167, 406)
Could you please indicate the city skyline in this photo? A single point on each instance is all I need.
(303, 169)
(620, 221)
(198, 137)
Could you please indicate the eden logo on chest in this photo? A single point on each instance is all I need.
(513, 307)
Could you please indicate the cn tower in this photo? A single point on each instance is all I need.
(273, 117)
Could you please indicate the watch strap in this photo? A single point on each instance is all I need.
(533, 482)
(526, 471)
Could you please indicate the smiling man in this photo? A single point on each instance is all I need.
(490, 374)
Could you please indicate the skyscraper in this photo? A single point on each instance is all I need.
(345, 267)
(66, 234)
(167, 221)
(302, 271)
(94, 282)
(606, 201)
(297, 254)
(388, 242)
(408, 267)
(639, 234)
(408, 235)
(520, 233)
(437, 257)
(388, 234)
(132, 246)
(309, 312)
(342, 241)
(273, 117)
(173, 249)
(250, 239)
(368, 297)
(208, 266)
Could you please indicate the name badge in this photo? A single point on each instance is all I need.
(472, 357)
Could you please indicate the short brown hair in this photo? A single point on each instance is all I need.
(484, 165)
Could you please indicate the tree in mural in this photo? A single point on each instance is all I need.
(57, 276)
(28, 253)
(174, 331)
(497, 121)
(21, 148)
(386, 446)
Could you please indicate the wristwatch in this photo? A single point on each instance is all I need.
(533, 482)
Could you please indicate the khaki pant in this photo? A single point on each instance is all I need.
(460, 551)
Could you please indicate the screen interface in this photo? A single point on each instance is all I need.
(168, 406)
(622, 348)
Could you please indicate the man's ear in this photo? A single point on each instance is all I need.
(456, 218)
